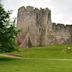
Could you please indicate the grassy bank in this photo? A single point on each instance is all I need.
(39, 60)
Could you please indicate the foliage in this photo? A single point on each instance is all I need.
(8, 32)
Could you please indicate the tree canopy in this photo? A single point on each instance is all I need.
(8, 32)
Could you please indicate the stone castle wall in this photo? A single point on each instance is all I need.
(62, 33)
(38, 30)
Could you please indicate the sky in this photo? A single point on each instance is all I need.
(61, 10)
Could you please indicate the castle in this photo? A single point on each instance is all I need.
(37, 28)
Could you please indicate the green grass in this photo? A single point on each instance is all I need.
(39, 65)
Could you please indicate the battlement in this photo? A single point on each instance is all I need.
(30, 8)
(59, 26)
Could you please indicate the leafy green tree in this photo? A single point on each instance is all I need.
(8, 32)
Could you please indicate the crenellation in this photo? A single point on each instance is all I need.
(29, 8)
(60, 27)
(54, 27)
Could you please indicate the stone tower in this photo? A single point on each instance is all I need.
(35, 25)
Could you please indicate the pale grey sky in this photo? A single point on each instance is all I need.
(61, 9)
(0, 1)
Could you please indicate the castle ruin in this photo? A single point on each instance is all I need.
(37, 28)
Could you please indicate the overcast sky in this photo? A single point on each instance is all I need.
(61, 9)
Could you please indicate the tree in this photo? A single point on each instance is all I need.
(8, 32)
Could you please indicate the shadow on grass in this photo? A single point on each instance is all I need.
(7, 59)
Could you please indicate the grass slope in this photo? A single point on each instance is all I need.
(39, 65)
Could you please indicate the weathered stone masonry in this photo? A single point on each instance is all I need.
(37, 28)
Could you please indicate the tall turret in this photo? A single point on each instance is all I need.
(35, 25)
